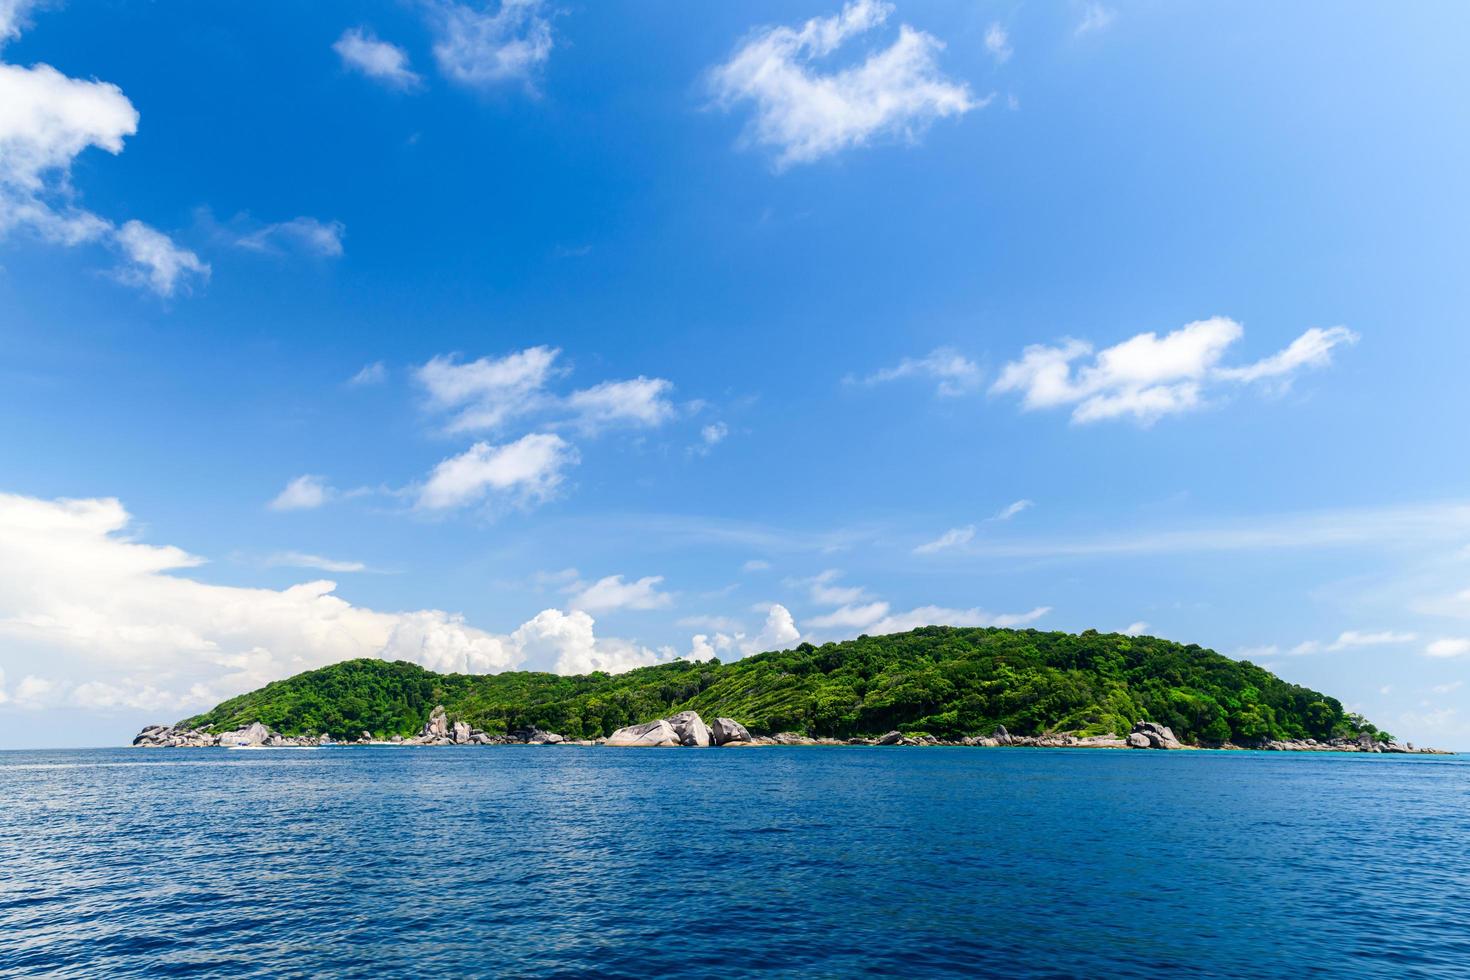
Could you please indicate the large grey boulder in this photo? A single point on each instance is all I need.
(648, 735)
(438, 724)
(691, 729)
(1159, 736)
(253, 734)
(892, 738)
(1138, 740)
(727, 730)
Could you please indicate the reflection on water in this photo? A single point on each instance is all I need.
(777, 861)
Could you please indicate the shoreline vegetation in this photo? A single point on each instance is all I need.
(980, 687)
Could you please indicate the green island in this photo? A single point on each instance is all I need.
(937, 681)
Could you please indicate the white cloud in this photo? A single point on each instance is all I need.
(1453, 646)
(302, 234)
(712, 623)
(805, 114)
(778, 633)
(305, 492)
(824, 593)
(998, 43)
(1351, 639)
(1147, 377)
(119, 626)
(1012, 509)
(47, 120)
(489, 391)
(612, 592)
(13, 18)
(300, 559)
(567, 641)
(371, 374)
(850, 617)
(957, 375)
(640, 401)
(154, 261)
(953, 538)
(756, 565)
(710, 436)
(1095, 17)
(1448, 688)
(479, 48)
(527, 470)
(1135, 629)
(387, 63)
(942, 616)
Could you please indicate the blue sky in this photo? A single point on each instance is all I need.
(562, 336)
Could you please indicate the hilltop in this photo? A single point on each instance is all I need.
(943, 681)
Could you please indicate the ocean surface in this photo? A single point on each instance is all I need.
(833, 862)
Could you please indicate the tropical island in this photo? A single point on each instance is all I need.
(934, 685)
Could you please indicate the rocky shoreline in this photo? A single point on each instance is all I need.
(688, 730)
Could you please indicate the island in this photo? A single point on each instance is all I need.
(936, 685)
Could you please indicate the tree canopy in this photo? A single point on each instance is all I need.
(940, 680)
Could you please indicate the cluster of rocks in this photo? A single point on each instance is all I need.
(438, 730)
(1363, 743)
(684, 729)
(254, 734)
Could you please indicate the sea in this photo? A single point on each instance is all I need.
(760, 862)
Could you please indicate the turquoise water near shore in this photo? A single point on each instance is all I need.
(368, 862)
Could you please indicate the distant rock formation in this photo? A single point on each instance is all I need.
(652, 734)
(728, 731)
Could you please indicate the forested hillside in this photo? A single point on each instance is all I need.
(939, 680)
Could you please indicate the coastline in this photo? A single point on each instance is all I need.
(687, 730)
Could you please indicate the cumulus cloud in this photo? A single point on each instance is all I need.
(305, 492)
(779, 632)
(612, 592)
(876, 619)
(567, 640)
(525, 471)
(954, 373)
(47, 120)
(639, 401)
(1147, 377)
(361, 51)
(485, 46)
(300, 235)
(488, 392)
(120, 624)
(804, 113)
(1135, 629)
(998, 43)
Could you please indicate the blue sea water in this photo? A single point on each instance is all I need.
(837, 862)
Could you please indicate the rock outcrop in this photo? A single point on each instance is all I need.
(652, 734)
(691, 729)
(1152, 735)
(728, 731)
(253, 734)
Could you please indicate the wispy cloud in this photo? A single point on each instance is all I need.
(306, 492)
(361, 51)
(300, 559)
(954, 373)
(953, 538)
(301, 235)
(494, 44)
(1095, 17)
(1351, 639)
(371, 374)
(998, 43)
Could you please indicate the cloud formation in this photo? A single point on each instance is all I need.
(611, 592)
(483, 47)
(804, 113)
(526, 471)
(120, 624)
(47, 120)
(301, 235)
(361, 51)
(1147, 376)
(305, 492)
(954, 373)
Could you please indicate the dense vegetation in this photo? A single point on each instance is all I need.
(941, 680)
